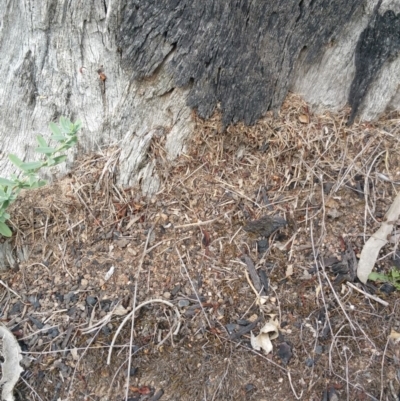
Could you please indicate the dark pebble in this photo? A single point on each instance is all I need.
(157, 395)
(249, 387)
(105, 305)
(91, 301)
(242, 322)
(387, 288)
(16, 308)
(319, 349)
(262, 246)
(309, 362)
(105, 330)
(70, 297)
(34, 301)
(175, 290)
(231, 327)
(183, 303)
(133, 371)
(333, 395)
(285, 352)
(36, 322)
(195, 298)
(72, 312)
(53, 333)
(59, 297)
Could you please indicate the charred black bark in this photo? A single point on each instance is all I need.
(378, 43)
(240, 54)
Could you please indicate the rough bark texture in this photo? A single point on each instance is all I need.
(241, 54)
(162, 58)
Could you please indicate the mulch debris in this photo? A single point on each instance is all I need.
(254, 223)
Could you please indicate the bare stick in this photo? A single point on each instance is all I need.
(8, 288)
(382, 368)
(199, 223)
(194, 289)
(151, 301)
(375, 298)
(291, 386)
(128, 375)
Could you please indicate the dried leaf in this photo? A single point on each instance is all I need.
(372, 247)
(11, 369)
(263, 340)
(120, 311)
(206, 241)
(109, 273)
(289, 270)
(394, 336)
(304, 118)
(74, 353)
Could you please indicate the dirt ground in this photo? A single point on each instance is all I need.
(213, 273)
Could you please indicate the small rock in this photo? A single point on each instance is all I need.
(16, 308)
(285, 352)
(91, 301)
(105, 305)
(231, 327)
(34, 301)
(249, 387)
(183, 302)
(36, 322)
(309, 362)
(167, 295)
(176, 289)
(70, 297)
(262, 246)
(53, 333)
(333, 395)
(84, 282)
(105, 330)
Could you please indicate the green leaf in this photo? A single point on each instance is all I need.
(15, 160)
(55, 129)
(32, 180)
(4, 195)
(40, 183)
(65, 124)
(71, 141)
(6, 183)
(78, 125)
(47, 150)
(60, 159)
(50, 162)
(374, 276)
(395, 274)
(58, 138)
(41, 141)
(4, 230)
(29, 166)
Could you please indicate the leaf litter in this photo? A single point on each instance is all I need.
(291, 200)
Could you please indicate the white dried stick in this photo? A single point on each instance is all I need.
(371, 249)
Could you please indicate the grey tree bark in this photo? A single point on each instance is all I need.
(163, 58)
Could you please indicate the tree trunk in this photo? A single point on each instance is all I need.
(162, 58)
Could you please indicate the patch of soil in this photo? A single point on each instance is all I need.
(195, 250)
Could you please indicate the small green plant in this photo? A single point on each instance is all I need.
(393, 277)
(66, 135)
